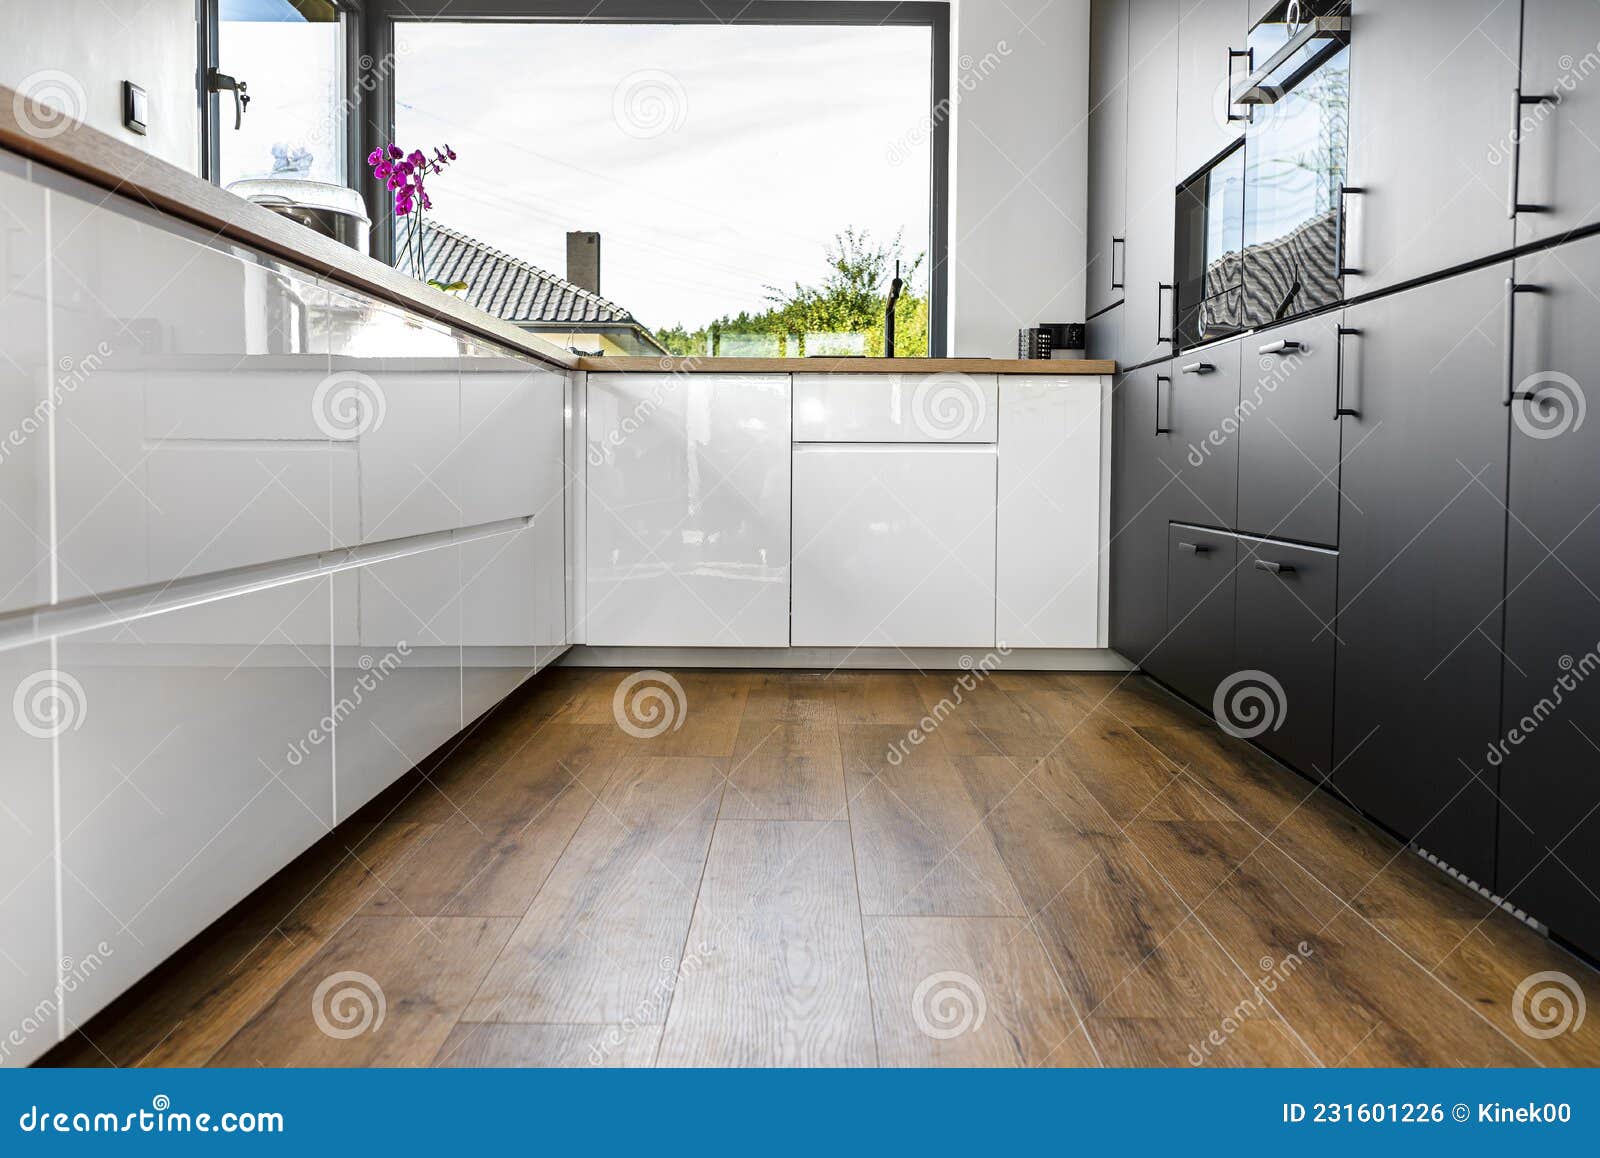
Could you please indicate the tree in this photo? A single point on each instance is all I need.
(850, 299)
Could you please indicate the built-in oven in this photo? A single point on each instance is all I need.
(1258, 231)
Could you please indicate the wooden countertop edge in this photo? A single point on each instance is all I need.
(104, 161)
(1058, 366)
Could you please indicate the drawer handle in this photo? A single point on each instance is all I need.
(1193, 548)
(1275, 568)
(1160, 378)
(1198, 368)
(1281, 346)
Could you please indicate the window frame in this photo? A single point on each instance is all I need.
(373, 82)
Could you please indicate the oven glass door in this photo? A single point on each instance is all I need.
(1210, 232)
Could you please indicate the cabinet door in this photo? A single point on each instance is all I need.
(1201, 454)
(1288, 432)
(1197, 654)
(1209, 34)
(894, 546)
(1559, 163)
(1431, 86)
(1421, 550)
(1108, 152)
(1152, 134)
(1550, 775)
(1283, 646)
(1138, 579)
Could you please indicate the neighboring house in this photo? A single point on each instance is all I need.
(528, 297)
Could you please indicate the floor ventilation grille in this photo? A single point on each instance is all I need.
(1481, 890)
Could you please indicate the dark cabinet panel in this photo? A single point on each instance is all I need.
(1550, 773)
(1288, 432)
(1421, 552)
(1103, 334)
(1108, 152)
(1284, 631)
(1138, 572)
(1558, 178)
(1201, 455)
(1152, 126)
(1197, 654)
(1431, 89)
(1212, 38)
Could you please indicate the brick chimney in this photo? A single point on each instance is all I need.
(583, 260)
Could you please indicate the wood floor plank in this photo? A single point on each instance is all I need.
(327, 1015)
(977, 718)
(878, 697)
(1132, 779)
(774, 974)
(602, 940)
(797, 697)
(1231, 1043)
(473, 1045)
(785, 771)
(704, 711)
(970, 991)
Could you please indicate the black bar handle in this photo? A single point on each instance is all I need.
(1160, 378)
(1193, 548)
(1198, 368)
(1116, 278)
(1275, 568)
(1509, 394)
(1281, 346)
(1340, 410)
(1161, 287)
(1519, 100)
(1339, 267)
(1233, 55)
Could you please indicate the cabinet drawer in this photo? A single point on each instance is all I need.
(1197, 414)
(1284, 645)
(1197, 653)
(895, 407)
(1289, 434)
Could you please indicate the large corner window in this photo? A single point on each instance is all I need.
(647, 177)
(290, 119)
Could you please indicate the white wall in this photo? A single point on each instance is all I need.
(82, 50)
(1019, 163)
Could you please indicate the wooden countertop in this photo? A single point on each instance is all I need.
(846, 366)
(111, 164)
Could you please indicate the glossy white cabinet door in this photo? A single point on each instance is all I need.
(688, 510)
(25, 378)
(195, 768)
(499, 618)
(27, 861)
(946, 407)
(894, 546)
(1048, 518)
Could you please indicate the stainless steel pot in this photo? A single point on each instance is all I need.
(332, 210)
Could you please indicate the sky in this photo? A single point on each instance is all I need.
(713, 160)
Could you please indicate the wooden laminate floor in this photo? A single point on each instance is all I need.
(1067, 870)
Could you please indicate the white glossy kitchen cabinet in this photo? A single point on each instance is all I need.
(688, 510)
(945, 407)
(194, 768)
(27, 862)
(894, 546)
(25, 379)
(1048, 516)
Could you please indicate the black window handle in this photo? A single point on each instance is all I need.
(1116, 278)
(1160, 378)
(1275, 568)
(1193, 548)
(1198, 368)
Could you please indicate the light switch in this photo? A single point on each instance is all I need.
(135, 107)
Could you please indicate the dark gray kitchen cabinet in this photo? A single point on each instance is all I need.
(1284, 629)
(1550, 772)
(1201, 454)
(1108, 153)
(1148, 303)
(1197, 652)
(1138, 571)
(1557, 166)
(1212, 39)
(1289, 431)
(1431, 90)
(1103, 334)
(1422, 528)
